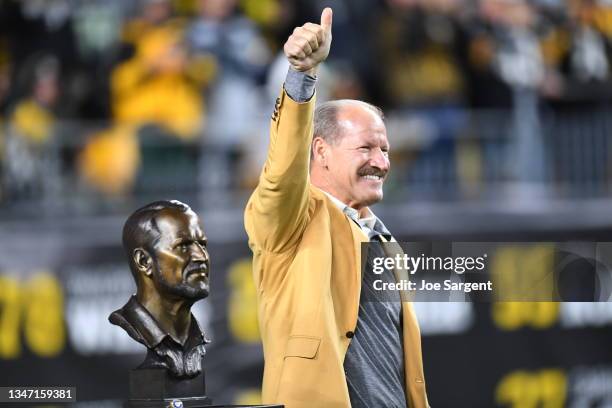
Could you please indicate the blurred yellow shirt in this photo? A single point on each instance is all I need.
(154, 86)
(110, 160)
(32, 121)
(164, 99)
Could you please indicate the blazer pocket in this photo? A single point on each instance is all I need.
(302, 346)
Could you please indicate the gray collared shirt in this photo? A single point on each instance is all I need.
(375, 381)
(371, 225)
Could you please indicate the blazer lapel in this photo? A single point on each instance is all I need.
(350, 236)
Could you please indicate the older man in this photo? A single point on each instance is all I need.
(328, 340)
(168, 258)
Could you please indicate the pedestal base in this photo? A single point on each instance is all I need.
(155, 388)
(188, 403)
(203, 402)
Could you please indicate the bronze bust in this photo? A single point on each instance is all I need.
(167, 253)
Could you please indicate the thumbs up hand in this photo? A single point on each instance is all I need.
(309, 44)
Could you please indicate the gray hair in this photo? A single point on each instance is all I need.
(326, 124)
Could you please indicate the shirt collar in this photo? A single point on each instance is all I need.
(149, 329)
(368, 221)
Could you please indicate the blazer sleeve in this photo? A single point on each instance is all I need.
(277, 211)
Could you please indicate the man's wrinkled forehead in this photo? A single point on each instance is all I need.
(361, 121)
(349, 106)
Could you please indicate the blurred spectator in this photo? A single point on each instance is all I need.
(504, 53)
(98, 27)
(33, 118)
(580, 56)
(110, 160)
(31, 126)
(270, 14)
(154, 85)
(242, 56)
(508, 71)
(153, 14)
(275, 18)
(592, 31)
(4, 91)
(40, 26)
(419, 45)
(421, 73)
(34, 28)
(5, 75)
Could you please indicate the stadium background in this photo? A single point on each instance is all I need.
(498, 114)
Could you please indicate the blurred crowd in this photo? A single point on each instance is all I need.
(87, 85)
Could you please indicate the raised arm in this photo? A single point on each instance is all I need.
(278, 209)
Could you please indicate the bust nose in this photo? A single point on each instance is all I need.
(199, 253)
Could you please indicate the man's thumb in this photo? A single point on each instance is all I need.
(326, 19)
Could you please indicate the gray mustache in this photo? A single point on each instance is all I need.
(371, 171)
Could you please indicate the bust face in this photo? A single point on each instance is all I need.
(181, 264)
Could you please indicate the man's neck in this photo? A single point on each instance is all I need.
(363, 212)
(320, 180)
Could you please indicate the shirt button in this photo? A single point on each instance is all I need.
(350, 334)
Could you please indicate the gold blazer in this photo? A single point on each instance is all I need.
(306, 266)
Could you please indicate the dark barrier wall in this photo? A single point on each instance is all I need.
(54, 303)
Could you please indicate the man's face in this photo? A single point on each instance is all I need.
(181, 264)
(359, 161)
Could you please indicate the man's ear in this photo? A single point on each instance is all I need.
(320, 151)
(142, 261)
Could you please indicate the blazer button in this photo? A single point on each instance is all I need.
(350, 334)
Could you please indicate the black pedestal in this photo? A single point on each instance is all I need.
(155, 388)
